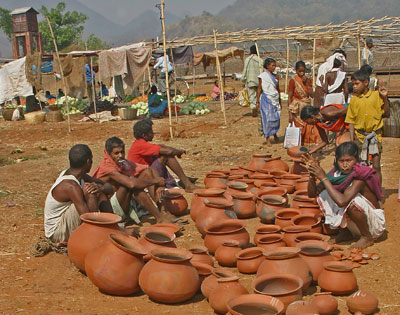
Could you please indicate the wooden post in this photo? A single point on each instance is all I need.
(313, 62)
(173, 64)
(144, 80)
(287, 65)
(194, 77)
(259, 58)
(93, 83)
(359, 45)
(366, 52)
(221, 85)
(297, 52)
(61, 72)
(166, 69)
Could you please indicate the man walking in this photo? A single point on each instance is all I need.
(250, 74)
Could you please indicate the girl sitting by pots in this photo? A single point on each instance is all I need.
(349, 196)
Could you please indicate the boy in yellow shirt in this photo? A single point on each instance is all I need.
(364, 116)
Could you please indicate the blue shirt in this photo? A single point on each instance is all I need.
(161, 64)
(88, 76)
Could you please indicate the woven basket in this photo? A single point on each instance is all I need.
(36, 117)
(8, 112)
(127, 113)
(54, 116)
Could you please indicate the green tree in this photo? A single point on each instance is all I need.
(6, 22)
(67, 27)
(94, 43)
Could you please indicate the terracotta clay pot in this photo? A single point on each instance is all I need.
(249, 259)
(275, 164)
(261, 178)
(199, 254)
(301, 307)
(362, 301)
(249, 182)
(210, 282)
(227, 289)
(244, 205)
(337, 277)
(289, 179)
(271, 241)
(248, 170)
(167, 227)
(225, 172)
(301, 184)
(175, 203)
(255, 304)
(92, 233)
(213, 212)
(265, 229)
(277, 173)
(289, 188)
(284, 216)
(115, 266)
(286, 260)
(315, 253)
(155, 239)
(197, 204)
(310, 220)
(269, 191)
(204, 270)
(300, 197)
(270, 203)
(225, 254)
(309, 236)
(297, 167)
(309, 209)
(325, 303)
(169, 277)
(297, 151)
(258, 161)
(216, 180)
(236, 187)
(291, 232)
(218, 233)
(285, 287)
(243, 173)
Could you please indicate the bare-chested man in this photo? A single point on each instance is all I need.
(335, 85)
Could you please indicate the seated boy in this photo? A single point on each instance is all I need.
(348, 196)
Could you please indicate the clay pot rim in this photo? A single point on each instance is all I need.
(100, 218)
(216, 175)
(261, 176)
(269, 185)
(278, 212)
(245, 180)
(283, 199)
(311, 234)
(237, 185)
(307, 206)
(286, 276)
(127, 244)
(246, 299)
(268, 190)
(222, 273)
(277, 237)
(242, 195)
(202, 268)
(231, 243)
(314, 243)
(174, 227)
(311, 216)
(228, 279)
(239, 226)
(258, 252)
(247, 168)
(291, 176)
(182, 255)
(323, 293)
(235, 177)
(152, 230)
(339, 266)
(226, 172)
(260, 155)
(265, 226)
(296, 228)
(198, 249)
(220, 204)
(208, 192)
(282, 253)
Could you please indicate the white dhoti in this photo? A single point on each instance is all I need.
(334, 98)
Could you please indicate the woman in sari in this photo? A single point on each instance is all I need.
(157, 103)
(269, 102)
(300, 90)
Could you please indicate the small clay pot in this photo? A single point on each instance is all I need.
(175, 203)
(227, 289)
(301, 307)
(325, 303)
(310, 209)
(261, 178)
(362, 301)
(225, 172)
(216, 180)
(236, 187)
(271, 241)
(248, 170)
(265, 229)
(249, 182)
(289, 187)
(204, 270)
(300, 197)
(197, 204)
(225, 254)
(285, 287)
(156, 239)
(289, 179)
(199, 254)
(244, 205)
(284, 216)
(301, 184)
(297, 167)
(270, 203)
(337, 277)
(310, 220)
(291, 232)
(275, 164)
(309, 236)
(258, 161)
(278, 173)
(210, 282)
(249, 259)
(167, 227)
(255, 304)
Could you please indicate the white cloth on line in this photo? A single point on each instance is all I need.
(328, 66)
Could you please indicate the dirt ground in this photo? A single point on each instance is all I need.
(52, 285)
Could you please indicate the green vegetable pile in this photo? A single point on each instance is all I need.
(76, 105)
(142, 108)
(194, 108)
(128, 98)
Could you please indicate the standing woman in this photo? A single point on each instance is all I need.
(269, 102)
(300, 91)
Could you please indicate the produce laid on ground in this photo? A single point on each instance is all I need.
(178, 99)
(194, 108)
(136, 100)
(76, 105)
(108, 98)
(141, 107)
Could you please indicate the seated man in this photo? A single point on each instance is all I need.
(157, 156)
(73, 194)
(348, 196)
(129, 180)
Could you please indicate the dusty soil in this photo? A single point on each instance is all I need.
(51, 284)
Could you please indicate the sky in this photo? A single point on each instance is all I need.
(123, 11)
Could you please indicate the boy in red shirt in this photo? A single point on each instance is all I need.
(157, 156)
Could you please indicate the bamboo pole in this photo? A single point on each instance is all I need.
(194, 77)
(173, 64)
(366, 52)
(166, 69)
(259, 58)
(313, 62)
(221, 85)
(287, 65)
(149, 75)
(359, 45)
(62, 74)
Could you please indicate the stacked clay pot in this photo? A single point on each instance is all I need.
(291, 232)
(204, 270)
(236, 187)
(197, 204)
(244, 205)
(309, 236)
(275, 164)
(210, 282)
(169, 277)
(270, 203)
(175, 203)
(200, 255)
(337, 277)
(154, 239)
(265, 229)
(284, 216)
(115, 266)
(309, 220)
(249, 259)
(255, 304)
(289, 181)
(271, 241)
(258, 161)
(325, 303)
(261, 178)
(268, 191)
(225, 254)
(216, 180)
(92, 233)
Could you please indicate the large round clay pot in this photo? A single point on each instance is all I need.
(115, 266)
(362, 301)
(92, 233)
(325, 303)
(309, 236)
(155, 239)
(308, 219)
(169, 277)
(258, 161)
(269, 191)
(301, 307)
(164, 227)
(210, 282)
(204, 270)
(291, 232)
(225, 254)
(216, 180)
(271, 241)
(301, 184)
(337, 277)
(239, 171)
(265, 229)
(309, 209)
(300, 197)
(199, 254)
(236, 187)
(214, 211)
(218, 233)
(175, 203)
(315, 253)
(289, 179)
(284, 216)
(275, 164)
(270, 203)
(244, 205)
(286, 260)
(249, 259)
(197, 204)
(227, 289)
(285, 287)
(255, 304)
(261, 178)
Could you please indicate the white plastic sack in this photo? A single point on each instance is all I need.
(292, 136)
(16, 115)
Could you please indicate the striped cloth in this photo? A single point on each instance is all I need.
(391, 125)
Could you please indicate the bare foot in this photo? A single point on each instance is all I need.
(276, 138)
(165, 218)
(363, 242)
(343, 236)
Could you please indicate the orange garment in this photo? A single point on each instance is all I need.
(336, 125)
